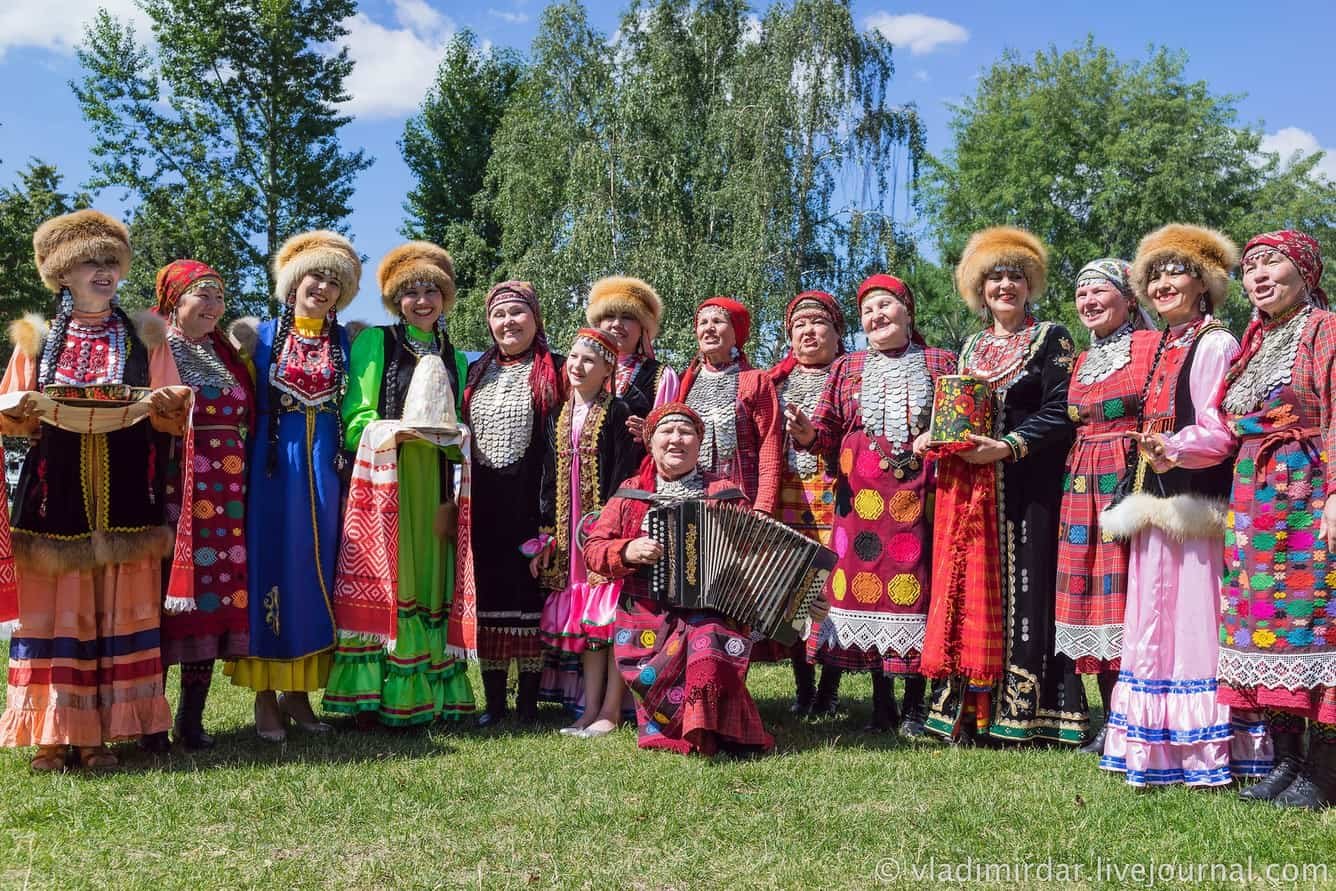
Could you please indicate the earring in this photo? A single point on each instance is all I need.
(1203, 306)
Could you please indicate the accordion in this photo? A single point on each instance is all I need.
(725, 557)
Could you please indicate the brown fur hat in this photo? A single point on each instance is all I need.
(1000, 246)
(63, 242)
(416, 261)
(1212, 252)
(319, 249)
(622, 293)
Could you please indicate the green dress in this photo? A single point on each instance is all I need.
(415, 681)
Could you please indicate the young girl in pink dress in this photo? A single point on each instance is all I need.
(589, 452)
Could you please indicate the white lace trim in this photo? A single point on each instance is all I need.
(1288, 671)
(1095, 641)
(886, 633)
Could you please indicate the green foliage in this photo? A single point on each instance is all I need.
(23, 206)
(226, 136)
(702, 149)
(1090, 153)
(447, 146)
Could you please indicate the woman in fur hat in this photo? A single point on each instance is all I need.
(294, 469)
(687, 668)
(589, 454)
(1277, 647)
(85, 665)
(874, 406)
(413, 680)
(1164, 723)
(1102, 400)
(989, 639)
(744, 434)
(191, 298)
(512, 390)
(630, 311)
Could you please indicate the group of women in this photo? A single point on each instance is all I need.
(1152, 511)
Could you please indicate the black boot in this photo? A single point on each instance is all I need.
(911, 725)
(884, 713)
(827, 700)
(1315, 786)
(1289, 746)
(189, 727)
(1095, 746)
(494, 697)
(526, 700)
(804, 681)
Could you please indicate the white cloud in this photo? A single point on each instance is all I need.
(921, 75)
(394, 66)
(920, 33)
(59, 27)
(1289, 141)
(513, 18)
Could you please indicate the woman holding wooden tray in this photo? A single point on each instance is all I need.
(89, 527)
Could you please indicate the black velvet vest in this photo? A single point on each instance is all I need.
(74, 484)
(1211, 482)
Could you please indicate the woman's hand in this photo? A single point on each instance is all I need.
(636, 425)
(921, 443)
(986, 450)
(1155, 451)
(541, 562)
(1328, 525)
(643, 551)
(23, 410)
(819, 609)
(168, 402)
(799, 425)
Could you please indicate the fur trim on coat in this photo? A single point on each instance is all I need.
(1181, 517)
(245, 335)
(50, 556)
(28, 333)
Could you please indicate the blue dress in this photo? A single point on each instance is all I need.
(292, 528)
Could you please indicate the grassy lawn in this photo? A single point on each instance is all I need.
(455, 807)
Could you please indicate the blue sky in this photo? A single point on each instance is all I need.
(1282, 64)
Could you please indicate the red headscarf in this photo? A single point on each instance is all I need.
(176, 278)
(830, 307)
(1300, 249)
(738, 317)
(1304, 252)
(605, 344)
(543, 381)
(647, 476)
(881, 281)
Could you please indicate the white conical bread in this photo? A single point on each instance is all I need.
(430, 402)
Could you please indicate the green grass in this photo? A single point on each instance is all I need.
(456, 807)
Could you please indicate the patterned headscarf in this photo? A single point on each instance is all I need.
(1300, 249)
(600, 342)
(881, 281)
(819, 300)
(671, 411)
(547, 389)
(179, 278)
(1119, 274)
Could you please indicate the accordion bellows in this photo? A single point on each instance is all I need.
(751, 568)
(430, 401)
(961, 405)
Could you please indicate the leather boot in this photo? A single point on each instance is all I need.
(494, 697)
(1095, 746)
(827, 700)
(884, 712)
(189, 727)
(804, 682)
(526, 700)
(1315, 786)
(1289, 747)
(911, 725)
